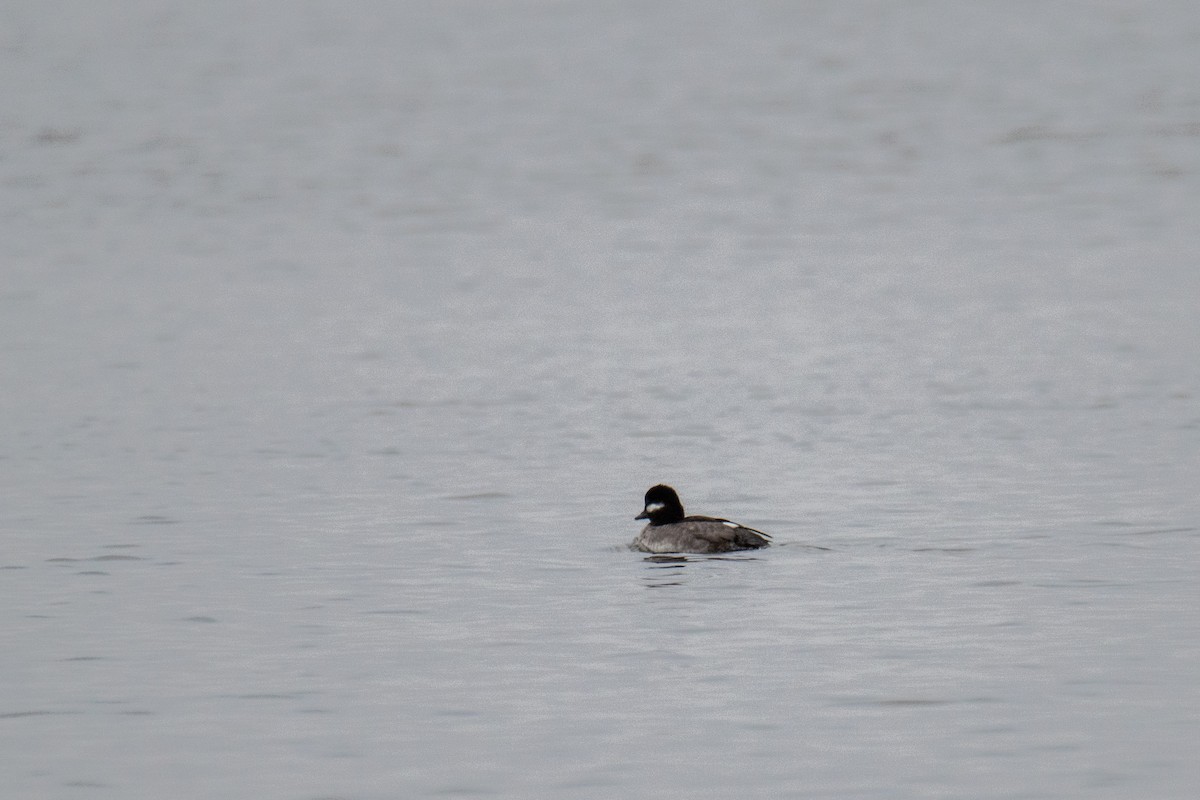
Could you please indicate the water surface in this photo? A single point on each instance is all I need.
(339, 346)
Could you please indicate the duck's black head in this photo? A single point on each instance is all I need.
(662, 506)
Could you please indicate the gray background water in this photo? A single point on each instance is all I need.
(339, 342)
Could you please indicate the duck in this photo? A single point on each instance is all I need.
(669, 531)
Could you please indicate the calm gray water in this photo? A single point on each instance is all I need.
(339, 343)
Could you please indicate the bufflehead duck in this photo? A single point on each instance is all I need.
(669, 531)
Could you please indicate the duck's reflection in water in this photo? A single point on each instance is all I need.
(670, 570)
(664, 571)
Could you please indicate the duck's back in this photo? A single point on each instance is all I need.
(699, 535)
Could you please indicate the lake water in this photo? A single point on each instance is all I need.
(339, 343)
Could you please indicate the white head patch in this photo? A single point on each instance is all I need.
(652, 508)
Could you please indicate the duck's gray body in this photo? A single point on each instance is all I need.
(699, 535)
(670, 531)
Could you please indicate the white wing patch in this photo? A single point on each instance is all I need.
(738, 527)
